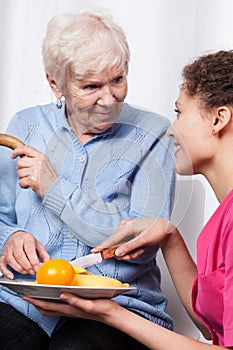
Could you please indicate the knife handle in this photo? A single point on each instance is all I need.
(108, 252)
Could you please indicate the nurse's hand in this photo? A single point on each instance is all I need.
(138, 234)
(75, 306)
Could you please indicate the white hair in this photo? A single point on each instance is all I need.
(80, 44)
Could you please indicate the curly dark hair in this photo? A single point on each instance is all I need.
(210, 78)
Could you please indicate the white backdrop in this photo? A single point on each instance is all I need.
(163, 36)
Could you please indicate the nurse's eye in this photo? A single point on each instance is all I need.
(177, 111)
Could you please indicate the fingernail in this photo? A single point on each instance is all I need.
(119, 252)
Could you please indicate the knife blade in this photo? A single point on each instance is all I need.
(94, 258)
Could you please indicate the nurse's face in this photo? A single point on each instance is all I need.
(192, 136)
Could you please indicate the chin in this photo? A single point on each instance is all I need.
(102, 127)
(184, 171)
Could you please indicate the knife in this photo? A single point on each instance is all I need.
(95, 258)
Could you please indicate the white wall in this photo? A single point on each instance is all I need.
(163, 36)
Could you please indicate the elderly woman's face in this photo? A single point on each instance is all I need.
(94, 103)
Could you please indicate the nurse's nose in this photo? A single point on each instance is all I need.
(170, 131)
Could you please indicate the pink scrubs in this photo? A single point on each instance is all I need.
(212, 294)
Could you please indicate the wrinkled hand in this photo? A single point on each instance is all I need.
(76, 307)
(22, 252)
(141, 232)
(34, 169)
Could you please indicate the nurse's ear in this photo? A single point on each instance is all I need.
(57, 92)
(221, 118)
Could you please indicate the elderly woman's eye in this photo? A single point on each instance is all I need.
(90, 87)
(118, 79)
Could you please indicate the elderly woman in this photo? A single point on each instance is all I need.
(89, 161)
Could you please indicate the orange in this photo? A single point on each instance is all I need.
(55, 271)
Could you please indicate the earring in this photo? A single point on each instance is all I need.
(213, 131)
(59, 104)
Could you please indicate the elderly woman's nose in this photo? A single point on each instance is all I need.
(106, 95)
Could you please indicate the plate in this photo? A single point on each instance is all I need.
(45, 291)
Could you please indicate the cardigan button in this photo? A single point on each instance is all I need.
(70, 234)
(82, 158)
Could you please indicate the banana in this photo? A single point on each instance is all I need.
(80, 270)
(97, 281)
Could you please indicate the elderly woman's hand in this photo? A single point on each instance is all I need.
(138, 234)
(22, 252)
(34, 170)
